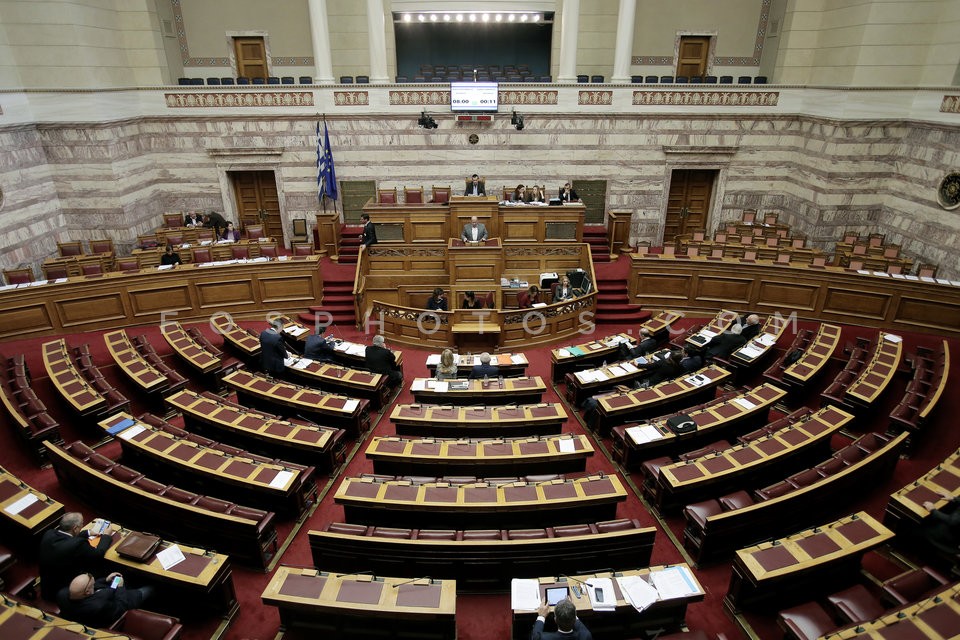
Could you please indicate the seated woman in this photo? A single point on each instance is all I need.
(230, 233)
(526, 299)
(170, 257)
(563, 290)
(471, 301)
(447, 369)
(519, 194)
(536, 194)
(437, 302)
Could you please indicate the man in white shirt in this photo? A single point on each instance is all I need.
(474, 231)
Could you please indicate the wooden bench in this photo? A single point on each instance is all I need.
(450, 421)
(25, 513)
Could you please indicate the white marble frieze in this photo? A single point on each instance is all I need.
(950, 104)
(426, 97)
(351, 98)
(231, 99)
(707, 98)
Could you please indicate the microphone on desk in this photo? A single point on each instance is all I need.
(427, 578)
(583, 582)
(358, 573)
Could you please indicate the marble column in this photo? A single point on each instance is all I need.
(320, 36)
(569, 30)
(378, 41)
(623, 54)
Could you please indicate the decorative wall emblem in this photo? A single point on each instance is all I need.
(948, 195)
(430, 97)
(351, 98)
(707, 98)
(596, 97)
(239, 99)
(532, 96)
(950, 104)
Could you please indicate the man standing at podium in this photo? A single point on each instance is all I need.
(569, 626)
(474, 231)
(475, 188)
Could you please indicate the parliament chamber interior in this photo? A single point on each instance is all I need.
(710, 250)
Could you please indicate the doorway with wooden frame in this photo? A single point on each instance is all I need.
(257, 201)
(251, 56)
(694, 56)
(688, 202)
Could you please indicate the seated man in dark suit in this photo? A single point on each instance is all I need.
(273, 351)
(721, 346)
(318, 348)
(526, 299)
(437, 302)
(569, 626)
(485, 368)
(942, 528)
(475, 188)
(666, 368)
(691, 361)
(96, 603)
(192, 220)
(567, 194)
(66, 552)
(751, 327)
(647, 344)
(381, 360)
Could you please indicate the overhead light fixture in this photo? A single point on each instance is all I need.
(459, 17)
(473, 17)
(517, 121)
(499, 17)
(523, 18)
(486, 17)
(427, 122)
(446, 17)
(536, 17)
(421, 18)
(407, 17)
(433, 17)
(511, 17)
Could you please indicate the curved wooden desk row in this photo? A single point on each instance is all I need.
(616, 408)
(193, 252)
(452, 421)
(297, 440)
(202, 582)
(245, 342)
(803, 562)
(755, 350)
(863, 392)
(191, 292)
(667, 613)
(349, 414)
(477, 392)
(362, 606)
(486, 458)
(564, 360)
(24, 622)
(336, 378)
(352, 354)
(148, 378)
(28, 415)
(401, 503)
(482, 560)
(806, 440)
(582, 384)
(509, 364)
(125, 494)
(923, 391)
(714, 419)
(934, 618)
(720, 323)
(905, 509)
(287, 489)
(190, 350)
(24, 512)
(713, 530)
(815, 357)
(829, 294)
(73, 387)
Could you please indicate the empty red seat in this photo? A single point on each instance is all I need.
(805, 478)
(570, 530)
(807, 621)
(856, 604)
(622, 524)
(526, 534)
(179, 495)
(871, 442)
(830, 467)
(736, 500)
(714, 447)
(483, 534)
(347, 529)
(775, 490)
(390, 532)
(149, 485)
(436, 534)
(213, 504)
(913, 585)
(124, 474)
(700, 511)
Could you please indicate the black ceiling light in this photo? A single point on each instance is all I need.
(427, 122)
(517, 121)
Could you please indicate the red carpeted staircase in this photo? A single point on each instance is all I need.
(596, 236)
(613, 303)
(337, 303)
(349, 243)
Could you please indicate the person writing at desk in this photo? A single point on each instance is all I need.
(526, 299)
(475, 188)
(484, 369)
(273, 351)
(474, 231)
(569, 626)
(67, 551)
(170, 257)
(381, 360)
(318, 348)
(437, 302)
(564, 290)
(519, 194)
(567, 194)
(537, 194)
(369, 234)
(230, 234)
(471, 301)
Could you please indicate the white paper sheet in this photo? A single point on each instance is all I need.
(518, 358)
(441, 386)
(644, 433)
(637, 591)
(170, 557)
(609, 596)
(350, 404)
(563, 353)
(617, 371)
(766, 339)
(674, 582)
(433, 359)
(19, 505)
(567, 445)
(281, 479)
(628, 367)
(136, 429)
(890, 337)
(524, 594)
(418, 385)
(746, 404)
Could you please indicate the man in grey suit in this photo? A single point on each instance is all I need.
(474, 231)
(273, 351)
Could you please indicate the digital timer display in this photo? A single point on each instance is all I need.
(473, 96)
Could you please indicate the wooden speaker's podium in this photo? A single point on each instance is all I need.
(485, 208)
(475, 266)
(475, 262)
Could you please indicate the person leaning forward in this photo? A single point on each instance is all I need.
(67, 551)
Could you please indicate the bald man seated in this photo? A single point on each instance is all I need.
(751, 327)
(99, 602)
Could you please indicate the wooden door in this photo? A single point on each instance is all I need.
(257, 201)
(251, 57)
(694, 51)
(688, 205)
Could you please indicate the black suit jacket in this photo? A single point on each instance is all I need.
(63, 557)
(102, 607)
(369, 234)
(724, 344)
(573, 196)
(437, 304)
(750, 331)
(480, 370)
(580, 632)
(318, 348)
(481, 190)
(272, 352)
(380, 359)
